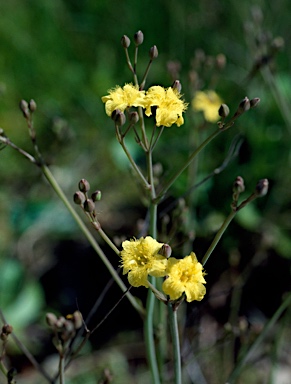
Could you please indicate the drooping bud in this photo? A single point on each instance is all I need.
(89, 205)
(96, 195)
(153, 52)
(223, 110)
(138, 38)
(32, 105)
(133, 117)
(177, 85)
(238, 185)
(79, 198)
(23, 105)
(84, 185)
(243, 106)
(262, 187)
(125, 41)
(165, 251)
(254, 102)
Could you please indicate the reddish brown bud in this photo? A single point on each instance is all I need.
(262, 187)
(89, 205)
(32, 105)
(254, 102)
(96, 195)
(84, 185)
(79, 198)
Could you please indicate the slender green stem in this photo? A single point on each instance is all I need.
(134, 165)
(49, 176)
(218, 237)
(62, 369)
(149, 334)
(242, 361)
(176, 343)
(190, 159)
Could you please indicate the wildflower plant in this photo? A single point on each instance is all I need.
(146, 260)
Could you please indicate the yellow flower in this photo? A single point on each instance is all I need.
(208, 102)
(185, 275)
(140, 258)
(169, 105)
(121, 98)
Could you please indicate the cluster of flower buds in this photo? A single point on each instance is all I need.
(81, 197)
(138, 40)
(64, 328)
(6, 331)
(27, 108)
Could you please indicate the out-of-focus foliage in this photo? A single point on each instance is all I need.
(66, 54)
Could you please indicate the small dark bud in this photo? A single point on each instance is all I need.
(254, 102)
(68, 330)
(118, 117)
(223, 110)
(177, 85)
(238, 185)
(32, 105)
(89, 205)
(23, 105)
(125, 41)
(165, 251)
(262, 187)
(51, 319)
(96, 196)
(84, 185)
(153, 52)
(138, 38)
(244, 106)
(133, 117)
(79, 198)
(6, 331)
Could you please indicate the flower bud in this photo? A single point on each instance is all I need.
(1, 131)
(133, 117)
(177, 85)
(262, 187)
(6, 331)
(238, 185)
(118, 117)
(278, 43)
(244, 106)
(51, 319)
(84, 185)
(138, 38)
(79, 198)
(153, 52)
(23, 105)
(125, 41)
(89, 205)
(96, 195)
(254, 102)
(32, 105)
(223, 110)
(165, 251)
(77, 319)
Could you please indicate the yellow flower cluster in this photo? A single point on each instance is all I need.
(141, 258)
(167, 101)
(208, 102)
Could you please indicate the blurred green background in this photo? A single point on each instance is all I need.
(66, 55)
